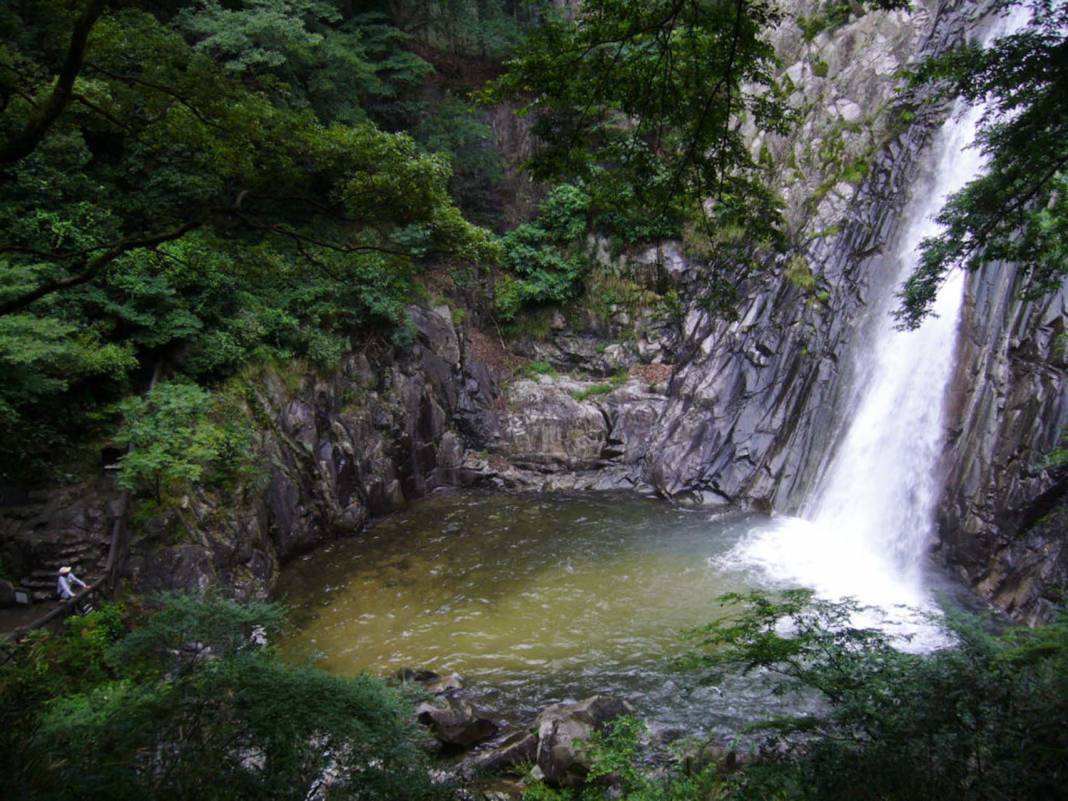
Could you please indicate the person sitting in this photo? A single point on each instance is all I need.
(63, 587)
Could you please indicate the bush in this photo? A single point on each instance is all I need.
(799, 273)
(179, 434)
(617, 773)
(984, 719)
(813, 26)
(614, 383)
(545, 260)
(539, 368)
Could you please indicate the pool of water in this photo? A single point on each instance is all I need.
(534, 599)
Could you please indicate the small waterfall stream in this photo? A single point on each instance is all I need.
(866, 529)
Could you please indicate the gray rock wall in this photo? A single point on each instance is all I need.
(1002, 519)
(333, 451)
(754, 411)
(330, 451)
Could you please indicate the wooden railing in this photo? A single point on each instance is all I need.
(61, 610)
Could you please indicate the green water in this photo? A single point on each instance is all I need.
(531, 598)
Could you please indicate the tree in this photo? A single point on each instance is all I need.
(173, 440)
(546, 259)
(649, 104)
(1018, 210)
(471, 28)
(646, 100)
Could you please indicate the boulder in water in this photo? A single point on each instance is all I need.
(443, 685)
(417, 675)
(561, 730)
(433, 683)
(456, 723)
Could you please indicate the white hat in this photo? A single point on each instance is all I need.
(64, 570)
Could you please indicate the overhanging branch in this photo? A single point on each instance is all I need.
(95, 266)
(42, 118)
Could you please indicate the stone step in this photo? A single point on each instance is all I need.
(78, 566)
(77, 548)
(49, 580)
(67, 558)
(77, 545)
(40, 581)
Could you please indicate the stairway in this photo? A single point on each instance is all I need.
(86, 558)
(47, 528)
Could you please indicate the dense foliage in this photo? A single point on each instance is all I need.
(192, 703)
(175, 434)
(471, 28)
(189, 705)
(1018, 210)
(196, 188)
(645, 103)
(984, 718)
(653, 106)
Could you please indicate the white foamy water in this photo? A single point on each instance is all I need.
(865, 531)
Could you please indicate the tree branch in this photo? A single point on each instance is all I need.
(166, 90)
(724, 80)
(303, 239)
(95, 265)
(89, 104)
(43, 117)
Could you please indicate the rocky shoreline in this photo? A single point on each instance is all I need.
(482, 751)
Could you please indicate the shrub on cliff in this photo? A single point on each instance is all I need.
(545, 260)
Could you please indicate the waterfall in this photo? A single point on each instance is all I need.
(866, 529)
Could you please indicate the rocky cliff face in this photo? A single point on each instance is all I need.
(1002, 519)
(332, 452)
(754, 412)
(755, 408)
